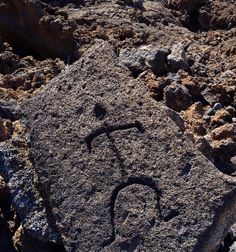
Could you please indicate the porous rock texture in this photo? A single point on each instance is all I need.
(175, 53)
(117, 175)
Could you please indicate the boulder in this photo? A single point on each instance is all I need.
(117, 173)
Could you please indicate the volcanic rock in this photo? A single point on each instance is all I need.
(233, 247)
(145, 57)
(177, 97)
(177, 59)
(117, 173)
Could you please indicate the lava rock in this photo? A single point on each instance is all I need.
(156, 59)
(145, 57)
(233, 165)
(133, 59)
(5, 235)
(6, 129)
(210, 112)
(217, 15)
(24, 196)
(233, 247)
(3, 187)
(209, 96)
(185, 5)
(177, 97)
(177, 59)
(217, 106)
(231, 110)
(100, 164)
(220, 117)
(9, 110)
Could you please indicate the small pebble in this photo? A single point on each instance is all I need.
(234, 119)
(210, 112)
(207, 119)
(233, 161)
(217, 106)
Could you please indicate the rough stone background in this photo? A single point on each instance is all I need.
(183, 52)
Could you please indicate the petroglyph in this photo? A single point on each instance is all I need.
(105, 154)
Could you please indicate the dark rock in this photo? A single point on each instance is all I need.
(209, 96)
(140, 59)
(154, 13)
(199, 69)
(217, 15)
(220, 117)
(210, 112)
(8, 61)
(217, 106)
(9, 109)
(135, 209)
(125, 180)
(175, 116)
(203, 145)
(5, 236)
(23, 241)
(207, 117)
(177, 97)
(3, 188)
(50, 35)
(156, 60)
(188, 5)
(233, 165)
(6, 129)
(133, 59)
(231, 110)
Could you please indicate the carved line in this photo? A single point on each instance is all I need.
(109, 129)
(145, 181)
(117, 155)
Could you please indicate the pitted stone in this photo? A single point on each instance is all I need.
(136, 210)
(95, 133)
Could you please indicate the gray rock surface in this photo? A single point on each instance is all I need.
(208, 95)
(144, 57)
(25, 197)
(233, 247)
(118, 173)
(178, 59)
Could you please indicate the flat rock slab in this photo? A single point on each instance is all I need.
(119, 174)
